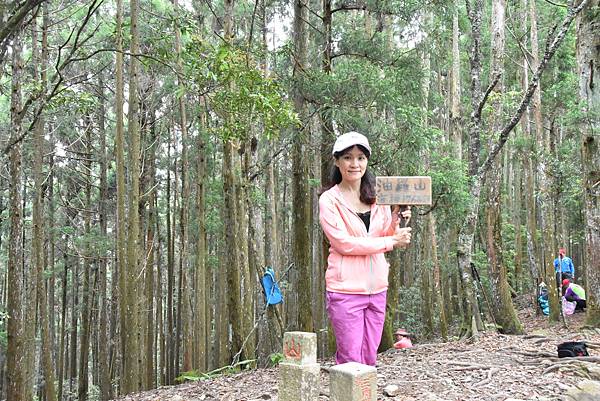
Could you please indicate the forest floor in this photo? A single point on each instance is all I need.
(491, 367)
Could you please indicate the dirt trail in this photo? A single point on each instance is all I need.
(492, 367)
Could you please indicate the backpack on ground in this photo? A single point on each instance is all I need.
(272, 292)
(571, 349)
(543, 299)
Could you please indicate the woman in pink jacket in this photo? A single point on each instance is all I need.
(359, 232)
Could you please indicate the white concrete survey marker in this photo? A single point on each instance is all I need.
(352, 381)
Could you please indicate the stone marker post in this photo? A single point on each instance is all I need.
(299, 370)
(352, 381)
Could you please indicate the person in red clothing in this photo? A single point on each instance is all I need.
(359, 232)
(402, 339)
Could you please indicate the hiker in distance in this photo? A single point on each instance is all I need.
(563, 266)
(574, 293)
(359, 233)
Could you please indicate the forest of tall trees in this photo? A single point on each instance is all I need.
(157, 156)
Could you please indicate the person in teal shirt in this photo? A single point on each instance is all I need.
(563, 266)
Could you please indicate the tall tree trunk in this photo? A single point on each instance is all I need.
(457, 145)
(120, 216)
(51, 248)
(546, 217)
(201, 287)
(62, 352)
(271, 332)
(184, 217)
(588, 63)
(465, 239)
(529, 176)
(455, 112)
(15, 368)
(103, 305)
(517, 208)
(426, 285)
(254, 252)
(84, 339)
(438, 282)
(170, 329)
(29, 287)
(72, 345)
(38, 239)
(231, 223)
(222, 313)
(120, 173)
(503, 309)
(301, 204)
(161, 335)
(247, 279)
(178, 276)
(129, 263)
(232, 239)
(151, 245)
(52, 286)
(428, 294)
(327, 140)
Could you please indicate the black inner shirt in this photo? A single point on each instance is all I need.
(366, 218)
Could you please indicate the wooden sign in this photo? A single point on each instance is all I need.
(403, 190)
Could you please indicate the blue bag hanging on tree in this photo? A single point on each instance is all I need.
(272, 292)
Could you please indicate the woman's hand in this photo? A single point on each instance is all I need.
(401, 237)
(406, 214)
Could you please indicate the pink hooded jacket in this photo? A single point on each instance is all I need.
(356, 264)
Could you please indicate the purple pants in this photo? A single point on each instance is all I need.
(357, 321)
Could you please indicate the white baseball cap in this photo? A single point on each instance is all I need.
(349, 139)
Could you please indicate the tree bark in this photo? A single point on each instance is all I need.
(234, 264)
(455, 112)
(546, 217)
(438, 282)
(184, 217)
(503, 309)
(301, 204)
(131, 317)
(120, 173)
(456, 133)
(40, 66)
(270, 328)
(62, 357)
(327, 140)
(72, 344)
(151, 246)
(517, 207)
(588, 64)
(529, 169)
(15, 369)
(247, 278)
(428, 293)
(202, 287)
(84, 334)
(103, 305)
(467, 232)
(171, 341)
